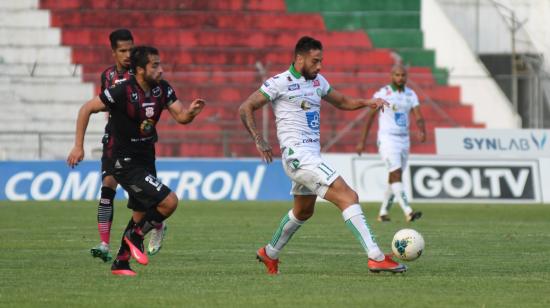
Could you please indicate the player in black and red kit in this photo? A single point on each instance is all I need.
(121, 42)
(135, 107)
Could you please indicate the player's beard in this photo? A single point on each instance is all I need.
(152, 81)
(309, 76)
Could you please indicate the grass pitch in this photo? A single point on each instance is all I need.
(476, 256)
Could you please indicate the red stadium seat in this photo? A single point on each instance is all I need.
(210, 49)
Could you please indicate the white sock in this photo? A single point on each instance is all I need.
(288, 226)
(356, 222)
(387, 202)
(397, 189)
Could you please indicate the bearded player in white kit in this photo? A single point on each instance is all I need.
(393, 138)
(295, 96)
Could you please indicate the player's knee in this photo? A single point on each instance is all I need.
(395, 176)
(109, 181)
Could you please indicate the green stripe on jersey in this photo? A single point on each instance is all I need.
(265, 94)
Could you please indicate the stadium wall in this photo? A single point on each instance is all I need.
(491, 106)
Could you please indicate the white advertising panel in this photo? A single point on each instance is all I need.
(436, 178)
(477, 180)
(510, 143)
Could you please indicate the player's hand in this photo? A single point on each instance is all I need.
(378, 103)
(196, 106)
(265, 149)
(359, 148)
(75, 156)
(421, 136)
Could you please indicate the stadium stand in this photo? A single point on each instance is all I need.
(220, 51)
(41, 87)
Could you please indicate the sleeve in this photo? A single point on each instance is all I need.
(325, 86)
(415, 101)
(170, 93)
(114, 96)
(103, 82)
(379, 94)
(270, 89)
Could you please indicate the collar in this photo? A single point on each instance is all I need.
(294, 72)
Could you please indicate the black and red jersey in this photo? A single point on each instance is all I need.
(110, 77)
(134, 115)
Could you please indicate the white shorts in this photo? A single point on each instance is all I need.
(394, 150)
(310, 175)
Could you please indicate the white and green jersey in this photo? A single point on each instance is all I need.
(395, 119)
(297, 107)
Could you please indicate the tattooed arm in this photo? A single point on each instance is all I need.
(246, 111)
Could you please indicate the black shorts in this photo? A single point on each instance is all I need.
(106, 160)
(141, 183)
(106, 167)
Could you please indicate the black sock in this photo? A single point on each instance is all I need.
(152, 219)
(124, 251)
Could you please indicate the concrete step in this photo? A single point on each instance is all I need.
(52, 91)
(96, 125)
(38, 54)
(41, 111)
(34, 80)
(41, 70)
(10, 36)
(22, 146)
(23, 18)
(19, 4)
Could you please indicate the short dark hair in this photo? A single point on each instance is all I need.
(120, 35)
(139, 56)
(305, 44)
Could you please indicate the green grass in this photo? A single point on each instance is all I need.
(476, 256)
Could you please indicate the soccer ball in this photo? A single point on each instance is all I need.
(407, 244)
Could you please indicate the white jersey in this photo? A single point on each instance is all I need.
(395, 119)
(296, 103)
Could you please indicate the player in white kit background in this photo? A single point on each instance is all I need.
(393, 138)
(295, 96)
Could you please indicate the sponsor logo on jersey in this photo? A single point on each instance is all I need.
(149, 112)
(266, 84)
(305, 105)
(134, 97)
(293, 87)
(170, 91)
(156, 92)
(310, 140)
(118, 81)
(313, 120)
(288, 78)
(316, 83)
(319, 92)
(147, 126)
